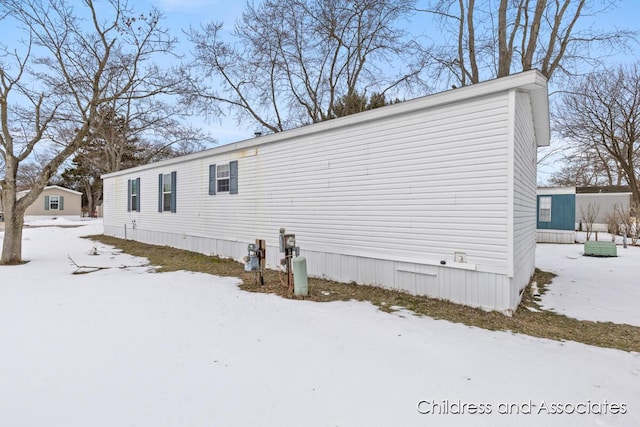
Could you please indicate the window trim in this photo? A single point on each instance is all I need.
(223, 178)
(544, 208)
(131, 206)
(47, 203)
(232, 178)
(57, 203)
(163, 194)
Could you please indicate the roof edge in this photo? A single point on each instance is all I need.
(532, 81)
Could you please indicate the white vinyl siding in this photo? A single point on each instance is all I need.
(382, 197)
(524, 210)
(405, 186)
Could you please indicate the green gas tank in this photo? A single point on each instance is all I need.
(300, 281)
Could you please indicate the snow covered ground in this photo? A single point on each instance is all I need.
(591, 288)
(124, 346)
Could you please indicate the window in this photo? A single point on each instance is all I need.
(167, 192)
(223, 178)
(133, 202)
(53, 203)
(544, 214)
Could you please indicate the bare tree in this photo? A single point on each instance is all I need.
(75, 60)
(496, 38)
(585, 166)
(28, 175)
(292, 60)
(601, 113)
(630, 225)
(588, 216)
(113, 144)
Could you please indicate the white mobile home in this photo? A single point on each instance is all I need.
(600, 205)
(434, 196)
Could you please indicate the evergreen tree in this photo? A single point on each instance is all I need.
(109, 147)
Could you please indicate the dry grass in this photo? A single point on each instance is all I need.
(538, 323)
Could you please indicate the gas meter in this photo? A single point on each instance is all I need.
(252, 260)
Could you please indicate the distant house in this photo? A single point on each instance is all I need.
(605, 200)
(55, 201)
(434, 196)
(556, 215)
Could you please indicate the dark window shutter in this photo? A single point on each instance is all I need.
(173, 191)
(61, 203)
(46, 203)
(212, 180)
(233, 177)
(160, 193)
(128, 195)
(138, 200)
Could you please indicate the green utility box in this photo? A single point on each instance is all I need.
(300, 281)
(603, 249)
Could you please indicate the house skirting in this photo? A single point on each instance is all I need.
(464, 285)
(555, 236)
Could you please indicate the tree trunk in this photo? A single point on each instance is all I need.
(504, 55)
(90, 203)
(13, 222)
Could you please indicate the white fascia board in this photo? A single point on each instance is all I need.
(542, 191)
(531, 81)
(57, 187)
(23, 193)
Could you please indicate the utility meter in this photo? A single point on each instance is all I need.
(289, 241)
(252, 260)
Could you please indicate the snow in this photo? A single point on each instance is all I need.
(592, 288)
(125, 346)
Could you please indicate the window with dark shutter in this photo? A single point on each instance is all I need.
(167, 192)
(223, 178)
(133, 195)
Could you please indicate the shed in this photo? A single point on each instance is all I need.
(556, 215)
(434, 196)
(55, 201)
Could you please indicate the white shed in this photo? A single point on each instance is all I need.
(434, 196)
